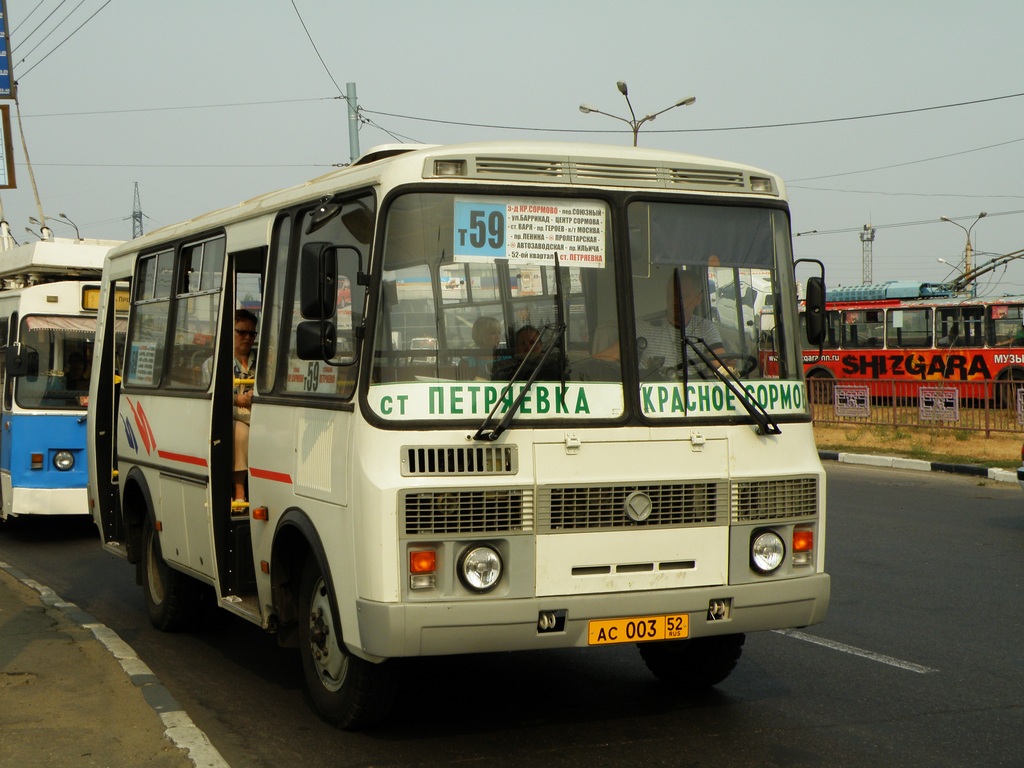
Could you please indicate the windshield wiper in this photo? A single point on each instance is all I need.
(493, 434)
(558, 339)
(766, 425)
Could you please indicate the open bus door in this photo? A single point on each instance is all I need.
(231, 521)
(5, 408)
(104, 389)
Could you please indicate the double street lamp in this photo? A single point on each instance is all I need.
(634, 123)
(968, 249)
(59, 217)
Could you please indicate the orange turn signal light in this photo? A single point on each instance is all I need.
(803, 540)
(422, 561)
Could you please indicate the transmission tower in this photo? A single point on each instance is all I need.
(137, 214)
(867, 237)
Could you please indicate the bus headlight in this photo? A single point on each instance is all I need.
(63, 460)
(767, 551)
(480, 568)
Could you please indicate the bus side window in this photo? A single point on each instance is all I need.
(151, 306)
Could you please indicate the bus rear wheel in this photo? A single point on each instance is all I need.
(698, 663)
(1006, 388)
(173, 600)
(348, 692)
(821, 388)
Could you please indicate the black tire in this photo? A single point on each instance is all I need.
(174, 601)
(347, 691)
(1006, 388)
(821, 388)
(698, 663)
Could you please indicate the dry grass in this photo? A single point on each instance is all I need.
(957, 446)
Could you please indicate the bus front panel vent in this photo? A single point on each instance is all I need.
(774, 499)
(459, 512)
(466, 461)
(676, 505)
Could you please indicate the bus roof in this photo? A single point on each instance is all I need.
(48, 260)
(524, 162)
(894, 289)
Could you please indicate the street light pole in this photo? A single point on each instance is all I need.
(63, 217)
(633, 123)
(968, 250)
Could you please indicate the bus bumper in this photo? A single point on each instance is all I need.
(481, 626)
(46, 501)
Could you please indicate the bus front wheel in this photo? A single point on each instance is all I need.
(347, 691)
(698, 663)
(173, 600)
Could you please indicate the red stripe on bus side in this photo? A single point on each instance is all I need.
(266, 474)
(198, 461)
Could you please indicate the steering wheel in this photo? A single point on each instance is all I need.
(746, 364)
(597, 369)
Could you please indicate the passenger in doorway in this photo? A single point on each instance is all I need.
(244, 368)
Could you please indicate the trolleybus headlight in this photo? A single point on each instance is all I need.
(63, 460)
(480, 568)
(767, 551)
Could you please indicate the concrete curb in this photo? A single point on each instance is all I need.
(896, 462)
(180, 730)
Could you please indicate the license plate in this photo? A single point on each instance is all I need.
(673, 626)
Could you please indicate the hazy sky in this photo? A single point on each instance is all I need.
(206, 103)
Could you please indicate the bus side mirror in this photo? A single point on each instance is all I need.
(22, 360)
(316, 340)
(322, 288)
(318, 277)
(815, 310)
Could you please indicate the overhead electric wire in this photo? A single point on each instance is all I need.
(38, 27)
(56, 47)
(317, 52)
(24, 20)
(910, 162)
(847, 230)
(47, 36)
(705, 130)
(171, 109)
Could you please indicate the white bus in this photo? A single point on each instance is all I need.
(548, 472)
(49, 294)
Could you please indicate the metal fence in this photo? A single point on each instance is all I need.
(986, 406)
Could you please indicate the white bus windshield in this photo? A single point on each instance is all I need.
(62, 345)
(470, 301)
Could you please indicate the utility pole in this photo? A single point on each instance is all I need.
(867, 237)
(137, 214)
(353, 121)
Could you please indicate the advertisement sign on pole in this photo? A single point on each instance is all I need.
(6, 80)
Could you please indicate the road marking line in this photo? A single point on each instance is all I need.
(843, 648)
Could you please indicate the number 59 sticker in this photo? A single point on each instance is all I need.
(479, 229)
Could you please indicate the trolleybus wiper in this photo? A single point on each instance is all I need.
(493, 434)
(766, 425)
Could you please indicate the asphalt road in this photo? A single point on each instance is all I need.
(919, 662)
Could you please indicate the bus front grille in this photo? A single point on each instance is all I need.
(439, 512)
(605, 507)
(775, 499)
(561, 509)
